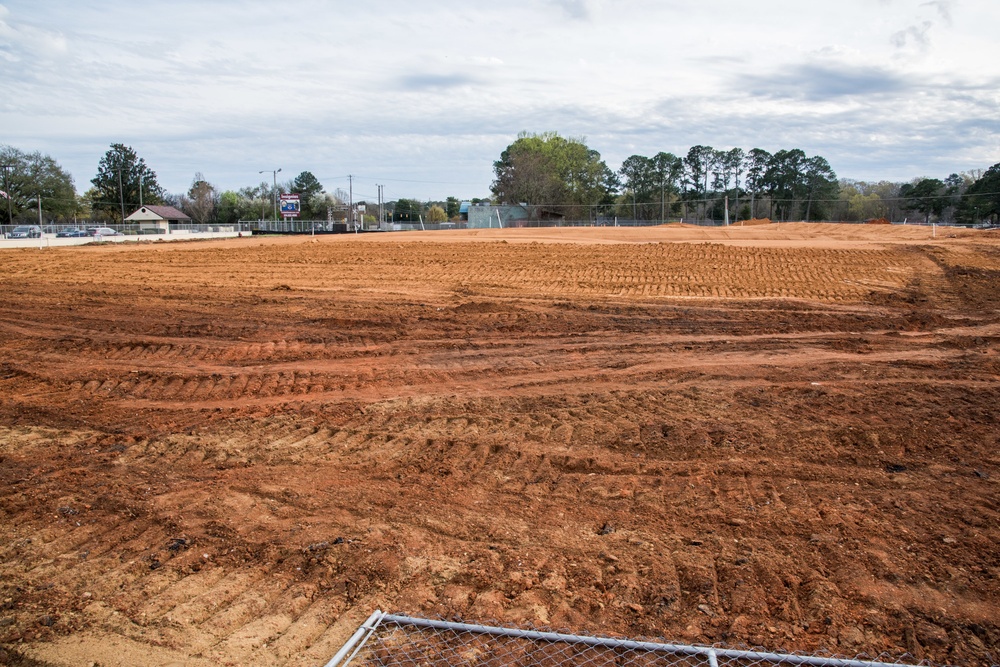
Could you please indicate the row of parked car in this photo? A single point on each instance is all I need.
(35, 232)
(76, 232)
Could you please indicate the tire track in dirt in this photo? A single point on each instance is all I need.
(515, 364)
(497, 436)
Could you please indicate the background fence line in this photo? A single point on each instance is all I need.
(325, 227)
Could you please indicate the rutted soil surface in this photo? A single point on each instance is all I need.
(231, 453)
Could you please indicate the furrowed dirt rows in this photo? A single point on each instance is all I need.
(231, 453)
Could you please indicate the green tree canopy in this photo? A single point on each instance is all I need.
(732, 164)
(929, 196)
(407, 210)
(667, 172)
(820, 184)
(230, 208)
(859, 204)
(436, 214)
(26, 177)
(756, 167)
(784, 180)
(982, 199)
(867, 200)
(310, 192)
(697, 166)
(549, 170)
(638, 179)
(123, 180)
(652, 181)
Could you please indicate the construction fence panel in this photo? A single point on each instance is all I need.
(389, 640)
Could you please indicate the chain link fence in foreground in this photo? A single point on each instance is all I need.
(388, 640)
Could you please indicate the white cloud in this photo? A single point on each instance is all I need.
(916, 36)
(577, 9)
(943, 8)
(429, 94)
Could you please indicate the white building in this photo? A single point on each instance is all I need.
(157, 219)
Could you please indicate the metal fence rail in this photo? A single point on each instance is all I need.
(129, 228)
(388, 640)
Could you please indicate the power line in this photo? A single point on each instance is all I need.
(964, 195)
(398, 180)
(702, 199)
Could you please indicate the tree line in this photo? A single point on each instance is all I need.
(556, 177)
(559, 177)
(124, 182)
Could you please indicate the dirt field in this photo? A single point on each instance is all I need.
(233, 452)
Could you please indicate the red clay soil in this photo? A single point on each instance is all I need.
(231, 453)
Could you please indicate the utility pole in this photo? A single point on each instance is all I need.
(274, 188)
(121, 193)
(381, 211)
(274, 192)
(350, 201)
(6, 191)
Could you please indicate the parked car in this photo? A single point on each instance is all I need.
(25, 232)
(102, 231)
(71, 233)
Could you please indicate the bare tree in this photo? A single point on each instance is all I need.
(201, 200)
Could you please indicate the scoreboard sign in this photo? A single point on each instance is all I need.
(290, 206)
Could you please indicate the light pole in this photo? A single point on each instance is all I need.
(274, 189)
(121, 193)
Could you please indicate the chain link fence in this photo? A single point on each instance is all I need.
(128, 229)
(386, 640)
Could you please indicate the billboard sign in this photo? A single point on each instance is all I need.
(290, 206)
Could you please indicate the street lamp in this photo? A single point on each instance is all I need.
(274, 190)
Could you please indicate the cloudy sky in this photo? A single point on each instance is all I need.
(423, 96)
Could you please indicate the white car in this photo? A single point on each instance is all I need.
(103, 231)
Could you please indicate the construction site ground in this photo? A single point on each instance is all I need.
(232, 452)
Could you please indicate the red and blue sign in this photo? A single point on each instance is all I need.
(290, 206)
